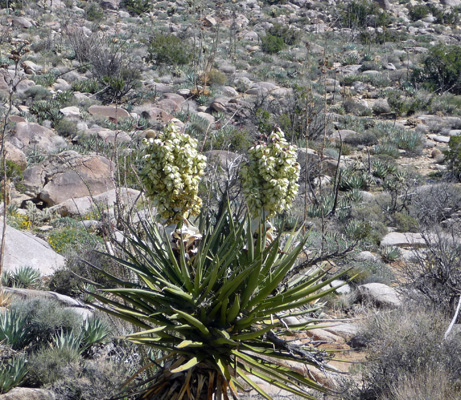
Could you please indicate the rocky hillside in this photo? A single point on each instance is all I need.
(368, 91)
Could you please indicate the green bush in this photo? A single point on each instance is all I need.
(91, 379)
(289, 35)
(66, 128)
(137, 7)
(65, 240)
(453, 156)
(43, 318)
(38, 92)
(407, 343)
(360, 14)
(87, 86)
(12, 373)
(94, 12)
(441, 69)
(272, 44)
(22, 277)
(168, 49)
(418, 12)
(363, 272)
(49, 364)
(13, 329)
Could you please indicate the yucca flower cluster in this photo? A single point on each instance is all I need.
(270, 177)
(172, 172)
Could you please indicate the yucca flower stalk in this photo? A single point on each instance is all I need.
(171, 174)
(214, 305)
(269, 178)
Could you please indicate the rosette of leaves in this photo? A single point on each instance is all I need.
(270, 177)
(171, 174)
(214, 307)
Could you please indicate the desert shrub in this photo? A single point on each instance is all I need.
(86, 86)
(68, 280)
(408, 102)
(434, 275)
(65, 239)
(365, 139)
(404, 222)
(446, 103)
(362, 272)
(403, 343)
(387, 149)
(22, 277)
(289, 35)
(434, 204)
(12, 373)
(94, 12)
(453, 156)
(382, 36)
(44, 318)
(436, 385)
(66, 128)
(272, 44)
(168, 49)
(441, 69)
(38, 92)
(137, 7)
(216, 77)
(49, 364)
(91, 379)
(418, 12)
(360, 14)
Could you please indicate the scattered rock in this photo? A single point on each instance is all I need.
(28, 394)
(22, 248)
(69, 175)
(114, 113)
(403, 239)
(29, 135)
(82, 205)
(379, 294)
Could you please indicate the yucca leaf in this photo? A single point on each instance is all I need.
(252, 335)
(276, 381)
(190, 343)
(223, 314)
(277, 371)
(147, 332)
(180, 293)
(256, 387)
(284, 266)
(193, 321)
(189, 364)
(222, 366)
(234, 310)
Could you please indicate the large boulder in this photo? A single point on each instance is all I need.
(28, 394)
(29, 135)
(111, 112)
(407, 239)
(69, 175)
(82, 205)
(379, 294)
(22, 248)
(27, 294)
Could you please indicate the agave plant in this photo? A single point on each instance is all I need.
(214, 304)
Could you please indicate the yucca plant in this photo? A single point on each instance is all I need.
(214, 304)
(12, 373)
